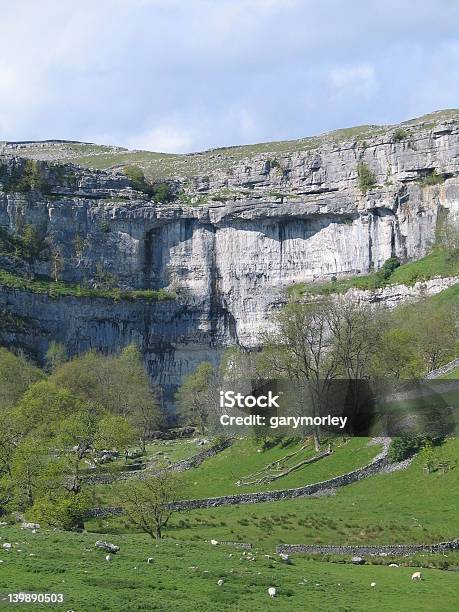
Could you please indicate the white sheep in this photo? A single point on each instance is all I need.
(416, 576)
(221, 582)
(373, 584)
(214, 542)
(108, 558)
(272, 591)
(150, 560)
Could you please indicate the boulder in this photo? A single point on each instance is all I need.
(107, 546)
(358, 560)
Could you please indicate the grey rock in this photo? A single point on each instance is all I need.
(107, 546)
(358, 560)
(286, 217)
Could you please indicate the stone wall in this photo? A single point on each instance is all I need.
(179, 466)
(391, 549)
(446, 369)
(374, 467)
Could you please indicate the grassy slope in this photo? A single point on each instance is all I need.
(401, 507)
(437, 263)
(219, 475)
(183, 577)
(454, 375)
(163, 165)
(61, 288)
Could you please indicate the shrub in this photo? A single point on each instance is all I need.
(403, 447)
(162, 192)
(400, 134)
(105, 227)
(63, 511)
(389, 266)
(137, 178)
(367, 179)
(432, 178)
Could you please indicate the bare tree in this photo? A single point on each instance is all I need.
(300, 351)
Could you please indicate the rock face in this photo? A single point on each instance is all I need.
(229, 243)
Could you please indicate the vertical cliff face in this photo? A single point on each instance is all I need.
(239, 231)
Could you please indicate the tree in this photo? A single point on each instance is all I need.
(397, 356)
(16, 375)
(435, 330)
(55, 355)
(193, 396)
(149, 503)
(119, 383)
(300, 351)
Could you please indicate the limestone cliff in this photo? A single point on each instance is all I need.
(244, 224)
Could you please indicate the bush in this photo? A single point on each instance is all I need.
(432, 178)
(367, 179)
(137, 178)
(162, 192)
(64, 511)
(389, 266)
(403, 447)
(400, 134)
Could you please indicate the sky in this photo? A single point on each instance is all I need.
(187, 75)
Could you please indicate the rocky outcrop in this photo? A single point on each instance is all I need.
(237, 234)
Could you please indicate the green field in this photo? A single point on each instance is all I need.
(401, 507)
(219, 475)
(184, 577)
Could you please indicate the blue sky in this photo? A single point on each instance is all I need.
(184, 75)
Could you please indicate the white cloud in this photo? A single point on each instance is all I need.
(358, 79)
(165, 138)
(174, 75)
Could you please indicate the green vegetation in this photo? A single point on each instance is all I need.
(184, 577)
(432, 178)
(400, 134)
(367, 178)
(23, 177)
(59, 425)
(220, 475)
(160, 192)
(437, 263)
(406, 506)
(56, 289)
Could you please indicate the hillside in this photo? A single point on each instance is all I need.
(190, 262)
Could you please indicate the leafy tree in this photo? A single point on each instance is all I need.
(194, 394)
(60, 510)
(16, 375)
(119, 383)
(55, 355)
(149, 503)
(397, 356)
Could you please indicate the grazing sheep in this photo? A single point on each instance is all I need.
(221, 582)
(108, 558)
(393, 565)
(416, 576)
(272, 591)
(150, 560)
(214, 542)
(373, 584)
